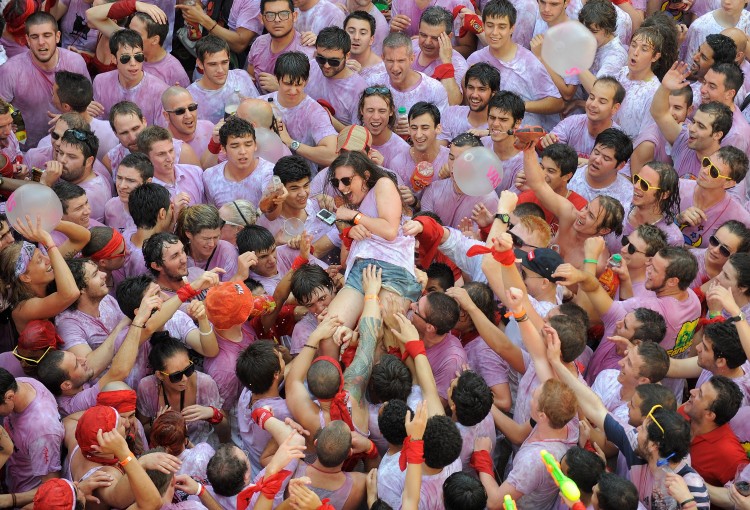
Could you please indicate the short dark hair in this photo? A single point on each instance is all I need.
(436, 16)
(726, 344)
(67, 191)
(655, 361)
(613, 138)
(722, 117)
(575, 311)
(728, 399)
(255, 238)
(737, 161)
(40, 18)
(291, 169)
(738, 229)
(334, 38)
(442, 442)
(7, 381)
(529, 209)
(653, 236)
(257, 365)
(733, 75)
(485, 74)
(226, 472)
(472, 398)
(129, 293)
(235, 127)
(442, 313)
(362, 16)
(391, 421)
(614, 83)
(500, 9)
(616, 493)
(78, 269)
(293, 65)
(140, 162)
(89, 146)
(673, 437)
(209, 45)
(333, 443)
(653, 326)
(442, 273)
(50, 373)
(306, 279)
(152, 27)
(584, 468)
(462, 491)
(74, 89)
(564, 156)
(263, 4)
(153, 249)
(390, 379)
(466, 140)
(652, 394)
(681, 264)
(164, 347)
(145, 202)
(323, 378)
(572, 336)
(151, 135)
(724, 48)
(482, 296)
(100, 237)
(124, 108)
(741, 263)
(125, 38)
(423, 107)
(600, 14)
(505, 100)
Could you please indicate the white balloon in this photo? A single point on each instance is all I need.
(270, 146)
(569, 48)
(478, 171)
(34, 199)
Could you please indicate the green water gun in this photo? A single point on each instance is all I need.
(568, 487)
(508, 503)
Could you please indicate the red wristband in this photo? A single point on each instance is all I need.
(444, 71)
(457, 10)
(122, 9)
(482, 463)
(269, 486)
(217, 417)
(506, 258)
(299, 261)
(326, 505)
(260, 416)
(186, 293)
(372, 453)
(411, 453)
(414, 348)
(214, 147)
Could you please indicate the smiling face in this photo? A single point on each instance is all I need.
(376, 114)
(477, 95)
(678, 108)
(498, 32)
(499, 123)
(587, 219)
(174, 265)
(700, 132)
(423, 131)
(727, 241)
(600, 105)
(646, 198)
(203, 244)
(630, 368)
(186, 123)
(127, 180)
(703, 59)
(299, 192)
(39, 270)
(78, 211)
(355, 192)
(656, 273)
(714, 89)
(77, 369)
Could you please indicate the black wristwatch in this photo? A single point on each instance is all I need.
(737, 318)
(505, 218)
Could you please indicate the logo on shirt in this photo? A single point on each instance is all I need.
(684, 338)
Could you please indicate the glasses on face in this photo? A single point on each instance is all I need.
(176, 377)
(520, 243)
(139, 57)
(55, 136)
(714, 242)
(31, 361)
(631, 247)
(346, 181)
(651, 415)
(281, 15)
(713, 170)
(181, 111)
(643, 183)
(333, 62)
(377, 90)
(416, 312)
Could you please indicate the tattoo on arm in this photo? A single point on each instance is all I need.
(358, 373)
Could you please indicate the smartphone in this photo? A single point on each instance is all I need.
(327, 216)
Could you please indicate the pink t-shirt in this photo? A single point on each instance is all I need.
(485, 428)
(195, 460)
(314, 226)
(651, 133)
(222, 367)
(343, 94)
(454, 121)
(245, 14)
(169, 70)
(263, 60)
(74, 28)
(404, 165)
(220, 190)
(486, 362)
(441, 198)
(727, 209)
(323, 14)
(187, 179)
(76, 327)
(458, 61)
(412, 10)
(224, 256)
(254, 438)
(147, 94)
(211, 103)
(116, 216)
(609, 58)
(98, 190)
(428, 89)
(574, 131)
(204, 130)
(634, 111)
(393, 149)
(446, 358)
(621, 188)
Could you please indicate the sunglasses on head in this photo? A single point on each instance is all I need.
(30, 361)
(377, 90)
(631, 247)
(713, 170)
(176, 377)
(81, 136)
(643, 183)
(181, 111)
(723, 248)
(139, 57)
(333, 62)
(346, 181)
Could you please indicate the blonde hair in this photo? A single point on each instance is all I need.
(558, 402)
(537, 225)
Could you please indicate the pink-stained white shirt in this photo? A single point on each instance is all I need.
(219, 190)
(147, 94)
(254, 438)
(485, 428)
(486, 362)
(188, 179)
(611, 57)
(609, 389)
(37, 435)
(224, 256)
(195, 460)
(204, 130)
(382, 29)
(574, 131)
(526, 13)
(116, 216)
(74, 28)
(621, 189)
(428, 89)
(391, 479)
(739, 134)
(211, 103)
(454, 121)
(511, 167)
(705, 25)
(446, 358)
(107, 137)
(634, 114)
(98, 190)
(263, 60)
(404, 165)
(29, 89)
(441, 198)
(343, 94)
(652, 133)
(314, 226)
(624, 28)
(222, 367)
(395, 148)
(526, 76)
(76, 327)
(727, 209)
(13, 150)
(323, 14)
(374, 75)
(412, 10)
(169, 70)
(245, 14)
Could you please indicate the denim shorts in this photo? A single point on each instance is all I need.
(396, 279)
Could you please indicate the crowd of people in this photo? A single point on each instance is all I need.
(268, 287)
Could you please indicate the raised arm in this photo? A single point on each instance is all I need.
(556, 204)
(387, 224)
(675, 79)
(102, 17)
(415, 430)
(77, 235)
(720, 298)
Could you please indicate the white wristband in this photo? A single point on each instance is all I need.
(207, 333)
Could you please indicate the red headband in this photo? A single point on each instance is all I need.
(339, 410)
(122, 400)
(110, 247)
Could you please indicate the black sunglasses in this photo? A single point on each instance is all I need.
(55, 136)
(631, 247)
(333, 62)
(520, 243)
(378, 90)
(176, 377)
(139, 57)
(181, 111)
(723, 248)
(346, 181)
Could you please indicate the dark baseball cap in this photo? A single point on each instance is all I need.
(543, 261)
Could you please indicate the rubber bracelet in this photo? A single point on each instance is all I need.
(212, 28)
(201, 490)
(137, 325)
(372, 453)
(357, 218)
(514, 314)
(372, 297)
(522, 318)
(124, 463)
(590, 261)
(311, 347)
(217, 417)
(691, 500)
(713, 315)
(208, 332)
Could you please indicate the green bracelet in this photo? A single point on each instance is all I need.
(713, 315)
(590, 261)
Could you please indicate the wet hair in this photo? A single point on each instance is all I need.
(724, 48)
(74, 120)
(74, 90)
(255, 238)
(146, 201)
(466, 140)
(442, 273)
(738, 229)
(78, 269)
(89, 146)
(292, 169)
(7, 382)
(653, 327)
(527, 209)
(558, 402)
(611, 214)
(654, 237)
(741, 263)
(564, 156)
(442, 313)
(652, 394)
(617, 140)
(169, 431)
(50, 372)
(728, 399)
(40, 18)
(507, 101)
(575, 311)
(655, 361)
(293, 65)
(100, 236)
(122, 109)
(164, 347)
(686, 93)
(482, 296)
(436, 16)
(334, 38)
(194, 219)
(152, 27)
(462, 491)
(130, 291)
(600, 14)
(391, 421)
(226, 472)
(139, 162)
(257, 365)
(722, 117)
(333, 444)
(660, 30)
(584, 468)
(263, 4)
(361, 164)
(675, 440)
(153, 249)
(210, 45)
(500, 9)
(726, 344)
(125, 38)
(424, 108)
(390, 379)
(572, 336)
(442, 442)
(616, 493)
(323, 379)
(681, 264)
(485, 74)
(67, 191)
(733, 75)
(472, 397)
(382, 92)
(612, 82)
(736, 160)
(307, 279)
(668, 194)
(361, 16)
(236, 128)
